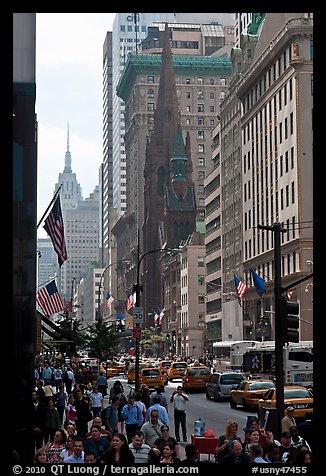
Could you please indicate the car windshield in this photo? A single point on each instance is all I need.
(166, 364)
(261, 385)
(198, 372)
(180, 366)
(148, 372)
(231, 379)
(297, 393)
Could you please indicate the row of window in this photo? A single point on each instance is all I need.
(277, 169)
(282, 201)
(264, 241)
(288, 266)
(268, 79)
(195, 80)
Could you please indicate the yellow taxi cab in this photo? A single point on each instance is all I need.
(152, 377)
(196, 377)
(131, 375)
(120, 367)
(249, 391)
(177, 370)
(111, 372)
(296, 396)
(164, 365)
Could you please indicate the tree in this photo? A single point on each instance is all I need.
(102, 341)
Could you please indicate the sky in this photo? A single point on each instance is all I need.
(69, 54)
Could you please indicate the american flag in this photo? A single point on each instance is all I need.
(241, 288)
(109, 301)
(161, 317)
(130, 301)
(156, 316)
(49, 300)
(54, 228)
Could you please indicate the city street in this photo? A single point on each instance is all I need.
(214, 414)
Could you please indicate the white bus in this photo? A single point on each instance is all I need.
(221, 354)
(297, 362)
(237, 349)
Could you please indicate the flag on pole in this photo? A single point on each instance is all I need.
(156, 316)
(259, 283)
(54, 228)
(161, 317)
(289, 295)
(130, 301)
(241, 288)
(49, 299)
(109, 301)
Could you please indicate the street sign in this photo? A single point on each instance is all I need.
(136, 332)
(138, 315)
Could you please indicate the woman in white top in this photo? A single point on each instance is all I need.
(96, 399)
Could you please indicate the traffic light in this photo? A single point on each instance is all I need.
(290, 321)
(119, 327)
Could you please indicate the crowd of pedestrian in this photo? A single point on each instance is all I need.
(72, 424)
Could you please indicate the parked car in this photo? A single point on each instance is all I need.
(196, 377)
(221, 383)
(249, 392)
(177, 370)
(152, 377)
(297, 396)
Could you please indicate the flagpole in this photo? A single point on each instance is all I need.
(53, 199)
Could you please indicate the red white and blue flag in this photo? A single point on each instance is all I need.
(49, 300)
(161, 316)
(109, 301)
(130, 301)
(54, 228)
(241, 288)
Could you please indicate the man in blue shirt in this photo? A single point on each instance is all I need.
(132, 417)
(162, 413)
(78, 454)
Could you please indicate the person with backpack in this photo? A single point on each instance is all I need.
(118, 391)
(111, 415)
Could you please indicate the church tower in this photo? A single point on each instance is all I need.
(169, 196)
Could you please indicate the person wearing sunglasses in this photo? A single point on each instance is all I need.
(167, 438)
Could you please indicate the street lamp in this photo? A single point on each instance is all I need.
(100, 284)
(137, 304)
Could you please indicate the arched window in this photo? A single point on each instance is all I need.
(175, 231)
(161, 179)
(187, 229)
(182, 231)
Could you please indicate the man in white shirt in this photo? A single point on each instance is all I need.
(179, 399)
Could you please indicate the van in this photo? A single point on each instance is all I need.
(152, 377)
(177, 370)
(220, 383)
(196, 377)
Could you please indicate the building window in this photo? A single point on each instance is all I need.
(200, 80)
(150, 79)
(200, 108)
